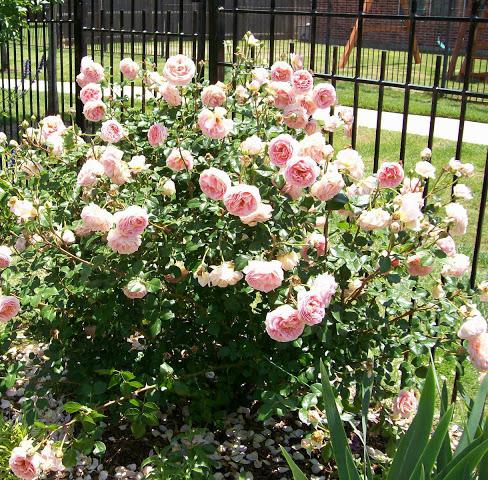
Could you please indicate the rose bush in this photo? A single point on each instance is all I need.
(239, 248)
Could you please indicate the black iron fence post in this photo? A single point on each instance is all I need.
(216, 35)
(52, 78)
(202, 34)
(80, 52)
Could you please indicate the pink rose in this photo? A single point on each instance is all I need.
(125, 245)
(9, 308)
(93, 72)
(415, 267)
(242, 200)
(314, 146)
(308, 103)
(260, 215)
(214, 124)
(283, 324)
(109, 158)
(456, 265)
(96, 218)
(52, 125)
(296, 61)
(213, 96)
(170, 94)
(5, 256)
(374, 219)
(478, 352)
(318, 242)
(281, 149)
(326, 287)
(81, 80)
(52, 459)
(405, 404)
(329, 185)
(457, 216)
(94, 111)
(89, 173)
(179, 70)
(91, 92)
(264, 276)
(131, 221)
(324, 95)
(179, 159)
(214, 183)
(301, 172)
(129, 68)
(283, 94)
(311, 307)
(112, 131)
(390, 175)
(447, 245)
(23, 465)
(157, 134)
(472, 327)
(135, 290)
(295, 116)
(281, 72)
(292, 191)
(302, 81)
(311, 127)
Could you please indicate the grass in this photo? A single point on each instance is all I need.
(396, 66)
(11, 434)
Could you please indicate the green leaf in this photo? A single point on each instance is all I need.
(415, 440)
(366, 391)
(138, 429)
(155, 327)
(72, 407)
(483, 467)
(467, 463)
(385, 264)
(445, 454)
(69, 458)
(340, 445)
(474, 417)
(295, 470)
(99, 448)
(337, 202)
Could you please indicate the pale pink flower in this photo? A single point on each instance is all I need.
(295, 116)
(307, 102)
(224, 275)
(292, 191)
(296, 61)
(112, 131)
(411, 185)
(281, 71)
(460, 169)
(390, 175)
(462, 191)
(68, 237)
(332, 123)
(311, 127)
(213, 96)
(9, 307)
(405, 404)
(157, 134)
(416, 268)
(135, 290)
(456, 265)
(179, 70)
(426, 153)
(169, 188)
(457, 217)
(283, 94)
(5, 256)
(301, 172)
(55, 144)
(410, 212)
(153, 80)
(215, 124)
(483, 289)
(324, 95)
(252, 146)
(242, 199)
(478, 352)
(374, 219)
(302, 81)
(96, 219)
(129, 68)
(260, 75)
(81, 80)
(262, 214)
(214, 183)
(313, 146)
(288, 260)
(241, 94)
(317, 241)
(264, 276)
(95, 110)
(24, 465)
(329, 185)
(131, 221)
(51, 125)
(311, 308)
(283, 324)
(179, 159)
(24, 209)
(170, 94)
(472, 327)
(52, 459)
(447, 245)
(425, 169)
(91, 92)
(350, 162)
(281, 149)
(138, 164)
(125, 245)
(92, 72)
(109, 158)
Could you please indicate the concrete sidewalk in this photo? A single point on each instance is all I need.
(445, 128)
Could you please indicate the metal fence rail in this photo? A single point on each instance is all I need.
(37, 74)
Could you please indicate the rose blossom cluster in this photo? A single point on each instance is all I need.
(474, 331)
(28, 463)
(89, 79)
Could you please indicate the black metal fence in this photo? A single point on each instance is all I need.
(384, 46)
